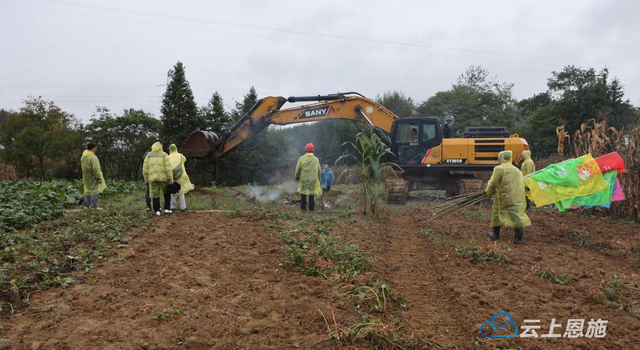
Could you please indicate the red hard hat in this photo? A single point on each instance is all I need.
(309, 147)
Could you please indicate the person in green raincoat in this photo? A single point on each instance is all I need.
(92, 177)
(157, 171)
(308, 176)
(180, 176)
(527, 167)
(507, 188)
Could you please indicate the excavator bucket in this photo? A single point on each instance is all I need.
(200, 144)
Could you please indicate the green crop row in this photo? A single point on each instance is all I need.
(24, 203)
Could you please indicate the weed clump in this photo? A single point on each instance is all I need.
(553, 276)
(475, 254)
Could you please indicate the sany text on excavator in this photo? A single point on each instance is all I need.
(432, 159)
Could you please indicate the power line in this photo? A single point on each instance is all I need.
(86, 101)
(286, 31)
(296, 40)
(412, 26)
(118, 73)
(83, 86)
(82, 96)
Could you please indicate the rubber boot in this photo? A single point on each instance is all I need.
(495, 234)
(518, 235)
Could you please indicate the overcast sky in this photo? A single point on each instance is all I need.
(82, 54)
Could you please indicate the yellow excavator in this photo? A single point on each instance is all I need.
(429, 155)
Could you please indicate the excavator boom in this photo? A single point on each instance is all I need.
(268, 111)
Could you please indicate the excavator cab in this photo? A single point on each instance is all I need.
(412, 138)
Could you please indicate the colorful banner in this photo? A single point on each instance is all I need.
(548, 189)
(611, 161)
(599, 199)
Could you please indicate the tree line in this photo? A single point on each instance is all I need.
(43, 141)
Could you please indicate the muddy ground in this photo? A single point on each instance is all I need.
(209, 281)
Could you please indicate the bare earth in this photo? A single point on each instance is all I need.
(220, 283)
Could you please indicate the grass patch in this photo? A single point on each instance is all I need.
(44, 255)
(269, 212)
(609, 292)
(475, 214)
(553, 276)
(230, 199)
(612, 296)
(475, 254)
(572, 233)
(438, 238)
(635, 250)
(591, 242)
(198, 201)
(314, 250)
(166, 314)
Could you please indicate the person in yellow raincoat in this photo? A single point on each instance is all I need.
(92, 177)
(308, 176)
(527, 167)
(507, 188)
(180, 176)
(157, 171)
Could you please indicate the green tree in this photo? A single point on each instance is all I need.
(401, 105)
(248, 162)
(4, 114)
(574, 96)
(215, 116)
(34, 135)
(67, 152)
(584, 94)
(531, 104)
(474, 100)
(122, 140)
(248, 101)
(179, 113)
(540, 130)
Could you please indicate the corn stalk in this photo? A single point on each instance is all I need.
(597, 138)
(370, 152)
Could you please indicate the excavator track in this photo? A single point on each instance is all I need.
(397, 190)
(453, 185)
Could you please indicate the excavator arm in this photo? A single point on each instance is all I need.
(267, 111)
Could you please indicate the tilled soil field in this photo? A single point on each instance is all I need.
(209, 281)
(450, 297)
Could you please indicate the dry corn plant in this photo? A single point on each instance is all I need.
(597, 138)
(630, 208)
(562, 136)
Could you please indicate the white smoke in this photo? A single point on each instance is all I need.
(267, 194)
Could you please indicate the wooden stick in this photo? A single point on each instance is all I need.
(451, 210)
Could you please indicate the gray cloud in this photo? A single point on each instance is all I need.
(116, 53)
